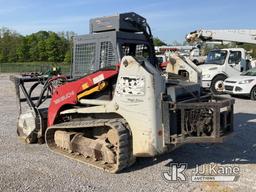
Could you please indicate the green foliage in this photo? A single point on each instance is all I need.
(158, 42)
(68, 58)
(40, 46)
(250, 47)
(9, 42)
(23, 51)
(20, 67)
(43, 56)
(52, 45)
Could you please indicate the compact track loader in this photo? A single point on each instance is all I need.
(118, 105)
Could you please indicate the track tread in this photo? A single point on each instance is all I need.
(124, 151)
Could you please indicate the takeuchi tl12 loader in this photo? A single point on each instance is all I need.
(117, 105)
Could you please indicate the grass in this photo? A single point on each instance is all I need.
(31, 67)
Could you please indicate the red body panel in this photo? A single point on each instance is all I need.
(67, 94)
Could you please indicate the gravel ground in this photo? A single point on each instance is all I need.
(34, 168)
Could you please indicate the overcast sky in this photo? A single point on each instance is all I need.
(170, 20)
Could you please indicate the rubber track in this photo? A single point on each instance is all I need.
(123, 153)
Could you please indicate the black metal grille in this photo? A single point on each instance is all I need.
(135, 50)
(107, 57)
(140, 50)
(229, 88)
(84, 60)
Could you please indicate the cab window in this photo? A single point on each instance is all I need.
(136, 50)
(234, 57)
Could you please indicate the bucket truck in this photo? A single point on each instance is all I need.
(223, 63)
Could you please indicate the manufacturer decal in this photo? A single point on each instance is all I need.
(131, 85)
(64, 97)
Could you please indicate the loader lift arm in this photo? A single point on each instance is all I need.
(71, 92)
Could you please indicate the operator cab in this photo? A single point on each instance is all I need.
(109, 40)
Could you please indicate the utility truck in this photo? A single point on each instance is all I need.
(223, 63)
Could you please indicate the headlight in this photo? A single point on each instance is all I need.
(246, 81)
(206, 76)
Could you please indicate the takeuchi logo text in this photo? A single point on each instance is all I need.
(64, 97)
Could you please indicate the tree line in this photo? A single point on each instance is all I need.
(40, 46)
(48, 46)
(45, 46)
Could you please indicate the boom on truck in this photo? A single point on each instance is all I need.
(118, 106)
(223, 63)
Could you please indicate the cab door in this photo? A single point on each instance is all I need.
(233, 66)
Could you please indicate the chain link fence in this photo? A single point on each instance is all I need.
(31, 68)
